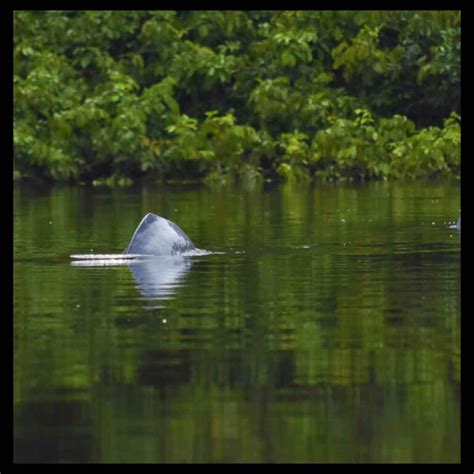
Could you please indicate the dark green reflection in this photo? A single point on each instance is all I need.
(328, 331)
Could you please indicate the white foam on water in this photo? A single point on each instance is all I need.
(104, 256)
(113, 259)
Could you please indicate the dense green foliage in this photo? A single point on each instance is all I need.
(113, 96)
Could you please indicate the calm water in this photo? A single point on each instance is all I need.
(328, 330)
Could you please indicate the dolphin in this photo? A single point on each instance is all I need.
(158, 236)
(457, 225)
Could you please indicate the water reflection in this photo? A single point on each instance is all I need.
(328, 331)
(159, 277)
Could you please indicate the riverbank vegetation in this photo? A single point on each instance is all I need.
(115, 96)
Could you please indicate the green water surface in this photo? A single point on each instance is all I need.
(326, 329)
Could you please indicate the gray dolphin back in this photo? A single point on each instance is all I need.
(158, 236)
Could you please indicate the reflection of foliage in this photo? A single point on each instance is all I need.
(189, 94)
(315, 344)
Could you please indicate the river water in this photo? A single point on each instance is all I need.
(324, 326)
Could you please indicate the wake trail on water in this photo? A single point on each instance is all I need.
(112, 259)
